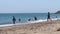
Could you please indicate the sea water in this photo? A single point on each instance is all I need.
(6, 18)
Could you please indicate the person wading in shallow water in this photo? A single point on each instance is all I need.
(19, 19)
(35, 18)
(48, 17)
(14, 20)
(29, 19)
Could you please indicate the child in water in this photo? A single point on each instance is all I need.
(14, 20)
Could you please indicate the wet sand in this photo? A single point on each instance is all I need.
(35, 28)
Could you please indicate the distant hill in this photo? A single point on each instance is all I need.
(58, 12)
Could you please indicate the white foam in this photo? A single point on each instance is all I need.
(6, 25)
(29, 22)
(56, 19)
(37, 21)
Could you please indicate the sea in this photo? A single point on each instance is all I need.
(6, 18)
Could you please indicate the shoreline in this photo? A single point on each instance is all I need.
(29, 22)
(40, 27)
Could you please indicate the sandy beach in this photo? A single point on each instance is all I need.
(35, 28)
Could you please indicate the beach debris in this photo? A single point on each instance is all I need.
(14, 20)
(35, 18)
(58, 29)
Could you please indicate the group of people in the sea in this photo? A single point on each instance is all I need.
(14, 19)
(35, 18)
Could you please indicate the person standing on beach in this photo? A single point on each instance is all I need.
(35, 18)
(14, 20)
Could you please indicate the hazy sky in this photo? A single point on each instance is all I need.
(29, 6)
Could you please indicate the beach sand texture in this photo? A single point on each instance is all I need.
(35, 28)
